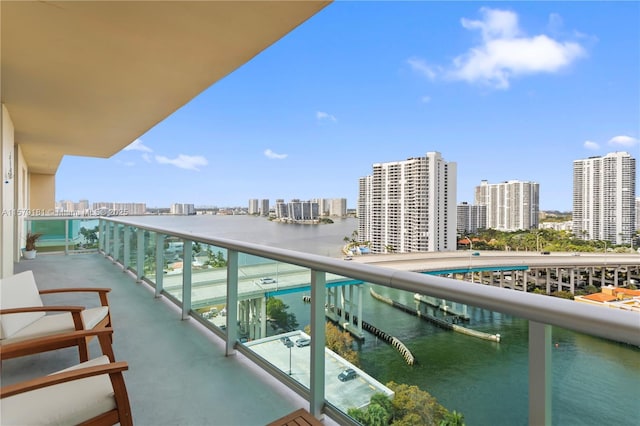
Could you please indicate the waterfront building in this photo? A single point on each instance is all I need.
(109, 208)
(253, 206)
(637, 214)
(297, 210)
(185, 209)
(264, 207)
(332, 206)
(471, 218)
(613, 297)
(604, 189)
(512, 205)
(409, 206)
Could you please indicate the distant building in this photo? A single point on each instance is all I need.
(409, 206)
(637, 214)
(604, 190)
(613, 297)
(182, 209)
(253, 206)
(471, 218)
(511, 205)
(119, 209)
(297, 210)
(264, 207)
(332, 206)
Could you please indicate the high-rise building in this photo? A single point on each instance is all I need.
(180, 208)
(511, 205)
(637, 214)
(604, 189)
(264, 207)
(409, 206)
(471, 218)
(253, 206)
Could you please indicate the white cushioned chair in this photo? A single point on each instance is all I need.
(24, 318)
(91, 393)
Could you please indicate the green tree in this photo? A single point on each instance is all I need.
(340, 342)
(277, 311)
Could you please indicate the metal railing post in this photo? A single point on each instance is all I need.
(127, 248)
(187, 253)
(317, 382)
(540, 374)
(116, 242)
(159, 263)
(232, 302)
(140, 254)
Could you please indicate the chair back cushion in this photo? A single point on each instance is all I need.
(18, 291)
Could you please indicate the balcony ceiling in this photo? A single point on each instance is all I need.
(88, 77)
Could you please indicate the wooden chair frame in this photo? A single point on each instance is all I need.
(121, 414)
(19, 348)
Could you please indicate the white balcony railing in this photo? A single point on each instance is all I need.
(120, 238)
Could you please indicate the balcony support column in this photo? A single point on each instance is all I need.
(232, 302)
(317, 381)
(539, 374)
(187, 254)
(139, 254)
(159, 264)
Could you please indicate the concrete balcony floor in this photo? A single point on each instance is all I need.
(178, 372)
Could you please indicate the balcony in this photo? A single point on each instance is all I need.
(177, 353)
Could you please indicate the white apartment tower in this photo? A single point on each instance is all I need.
(604, 189)
(471, 218)
(409, 206)
(253, 206)
(511, 206)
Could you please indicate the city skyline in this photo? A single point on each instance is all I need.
(311, 114)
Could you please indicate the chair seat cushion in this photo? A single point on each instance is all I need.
(63, 404)
(58, 323)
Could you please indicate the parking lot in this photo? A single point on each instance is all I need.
(296, 360)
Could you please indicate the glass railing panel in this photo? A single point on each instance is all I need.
(85, 233)
(209, 283)
(273, 313)
(150, 257)
(595, 381)
(119, 235)
(173, 267)
(133, 248)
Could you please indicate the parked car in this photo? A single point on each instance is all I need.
(545, 252)
(348, 258)
(475, 253)
(348, 374)
(303, 341)
(286, 341)
(267, 280)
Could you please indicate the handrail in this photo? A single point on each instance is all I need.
(618, 325)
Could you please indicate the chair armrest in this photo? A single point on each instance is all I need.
(74, 310)
(102, 292)
(58, 340)
(114, 368)
(41, 309)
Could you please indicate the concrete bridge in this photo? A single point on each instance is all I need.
(516, 270)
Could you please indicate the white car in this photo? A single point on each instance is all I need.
(267, 280)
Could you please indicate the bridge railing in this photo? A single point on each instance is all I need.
(216, 289)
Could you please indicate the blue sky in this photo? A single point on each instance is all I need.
(507, 90)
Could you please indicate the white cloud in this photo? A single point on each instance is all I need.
(146, 157)
(325, 116)
(270, 154)
(425, 99)
(505, 52)
(624, 141)
(137, 145)
(189, 162)
(422, 67)
(591, 145)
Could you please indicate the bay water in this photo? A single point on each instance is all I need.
(595, 381)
